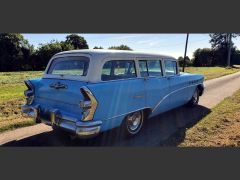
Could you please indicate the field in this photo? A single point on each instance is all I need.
(11, 99)
(212, 72)
(12, 87)
(220, 128)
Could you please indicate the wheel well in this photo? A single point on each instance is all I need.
(201, 89)
(147, 112)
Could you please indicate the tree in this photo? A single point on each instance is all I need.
(76, 41)
(46, 51)
(14, 52)
(220, 45)
(188, 61)
(203, 57)
(96, 47)
(121, 47)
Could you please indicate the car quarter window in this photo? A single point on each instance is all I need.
(150, 68)
(170, 67)
(118, 69)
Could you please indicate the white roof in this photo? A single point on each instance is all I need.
(113, 53)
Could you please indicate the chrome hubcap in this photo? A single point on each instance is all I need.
(134, 121)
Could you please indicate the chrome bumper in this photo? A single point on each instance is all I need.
(81, 129)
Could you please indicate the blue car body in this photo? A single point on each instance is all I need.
(60, 100)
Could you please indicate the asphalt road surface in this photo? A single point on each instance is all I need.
(167, 129)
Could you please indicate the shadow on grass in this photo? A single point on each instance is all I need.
(167, 129)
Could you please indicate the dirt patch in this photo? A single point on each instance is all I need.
(11, 116)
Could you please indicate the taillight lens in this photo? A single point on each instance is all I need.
(88, 104)
(29, 93)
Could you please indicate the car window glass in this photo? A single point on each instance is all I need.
(154, 68)
(119, 69)
(143, 68)
(69, 66)
(170, 67)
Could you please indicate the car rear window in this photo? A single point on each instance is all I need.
(76, 66)
(118, 69)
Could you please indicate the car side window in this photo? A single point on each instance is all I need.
(154, 68)
(150, 68)
(118, 69)
(143, 68)
(170, 67)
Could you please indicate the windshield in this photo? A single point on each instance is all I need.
(76, 66)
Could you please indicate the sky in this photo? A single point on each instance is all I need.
(168, 44)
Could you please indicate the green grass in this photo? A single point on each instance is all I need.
(212, 72)
(13, 78)
(11, 92)
(12, 83)
(11, 99)
(219, 128)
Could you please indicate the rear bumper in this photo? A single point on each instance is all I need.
(56, 118)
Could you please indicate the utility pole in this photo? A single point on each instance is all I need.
(229, 49)
(184, 58)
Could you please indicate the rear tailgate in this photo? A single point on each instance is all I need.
(60, 94)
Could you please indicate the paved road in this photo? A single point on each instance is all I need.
(167, 129)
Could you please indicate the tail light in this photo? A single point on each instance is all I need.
(29, 93)
(88, 104)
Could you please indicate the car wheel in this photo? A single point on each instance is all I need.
(133, 123)
(195, 98)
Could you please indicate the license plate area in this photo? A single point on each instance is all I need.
(50, 116)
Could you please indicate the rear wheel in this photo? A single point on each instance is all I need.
(133, 123)
(195, 98)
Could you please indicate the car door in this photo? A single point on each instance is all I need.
(178, 92)
(156, 86)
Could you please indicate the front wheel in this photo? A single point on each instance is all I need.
(133, 123)
(195, 98)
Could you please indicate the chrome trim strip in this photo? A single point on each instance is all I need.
(128, 113)
(170, 94)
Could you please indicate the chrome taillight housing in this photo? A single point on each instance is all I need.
(29, 93)
(88, 104)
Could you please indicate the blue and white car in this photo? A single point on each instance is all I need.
(86, 92)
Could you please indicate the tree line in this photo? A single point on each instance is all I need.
(216, 55)
(17, 54)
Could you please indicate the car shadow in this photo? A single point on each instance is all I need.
(167, 129)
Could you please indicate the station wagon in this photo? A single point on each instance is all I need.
(86, 92)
